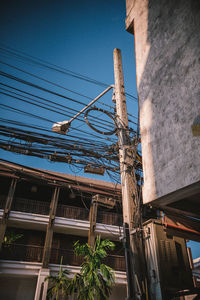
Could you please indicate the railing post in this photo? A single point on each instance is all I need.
(4, 219)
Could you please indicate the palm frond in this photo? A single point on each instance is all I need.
(59, 284)
(95, 280)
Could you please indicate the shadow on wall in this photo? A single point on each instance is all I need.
(168, 64)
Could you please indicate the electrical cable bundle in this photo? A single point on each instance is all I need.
(40, 102)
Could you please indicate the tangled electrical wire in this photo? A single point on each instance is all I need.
(41, 103)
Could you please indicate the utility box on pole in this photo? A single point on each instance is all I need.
(167, 262)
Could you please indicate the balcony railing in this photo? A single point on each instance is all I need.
(116, 262)
(65, 211)
(31, 206)
(31, 253)
(72, 212)
(69, 258)
(109, 218)
(21, 252)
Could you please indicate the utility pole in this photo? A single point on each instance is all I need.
(128, 182)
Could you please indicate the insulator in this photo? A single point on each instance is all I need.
(113, 96)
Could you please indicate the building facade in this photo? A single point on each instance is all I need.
(167, 38)
(42, 215)
(167, 55)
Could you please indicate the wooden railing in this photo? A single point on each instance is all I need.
(31, 253)
(20, 252)
(116, 262)
(32, 206)
(69, 258)
(65, 211)
(109, 218)
(72, 212)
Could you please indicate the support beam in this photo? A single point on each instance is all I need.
(4, 220)
(49, 232)
(92, 220)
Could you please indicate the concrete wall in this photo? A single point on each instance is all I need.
(167, 43)
(17, 288)
(119, 292)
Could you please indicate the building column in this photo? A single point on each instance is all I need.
(49, 232)
(4, 219)
(92, 220)
(42, 285)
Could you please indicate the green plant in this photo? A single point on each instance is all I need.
(10, 237)
(59, 284)
(95, 280)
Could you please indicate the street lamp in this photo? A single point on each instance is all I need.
(63, 127)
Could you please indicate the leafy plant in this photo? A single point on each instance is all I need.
(95, 280)
(59, 284)
(10, 237)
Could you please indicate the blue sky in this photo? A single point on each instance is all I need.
(77, 35)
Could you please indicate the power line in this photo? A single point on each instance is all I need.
(37, 86)
(51, 66)
(54, 67)
(74, 149)
(42, 88)
(55, 103)
(45, 80)
(10, 108)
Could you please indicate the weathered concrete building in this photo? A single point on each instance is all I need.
(167, 50)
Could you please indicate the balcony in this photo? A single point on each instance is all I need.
(20, 252)
(30, 206)
(109, 218)
(65, 211)
(72, 212)
(31, 253)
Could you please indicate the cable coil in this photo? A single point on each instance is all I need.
(94, 128)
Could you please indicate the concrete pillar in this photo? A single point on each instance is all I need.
(42, 286)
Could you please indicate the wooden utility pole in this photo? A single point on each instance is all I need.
(4, 220)
(128, 184)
